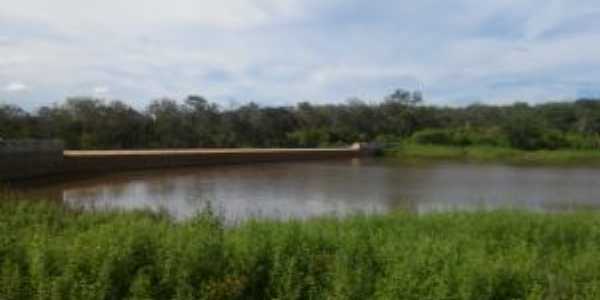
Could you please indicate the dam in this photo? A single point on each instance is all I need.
(30, 159)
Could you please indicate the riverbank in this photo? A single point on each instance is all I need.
(48, 251)
(417, 152)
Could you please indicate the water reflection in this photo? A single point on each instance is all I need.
(304, 189)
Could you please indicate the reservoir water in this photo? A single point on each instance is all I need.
(335, 187)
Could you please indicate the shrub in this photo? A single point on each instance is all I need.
(461, 137)
(434, 137)
(583, 142)
(309, 137)
(529, 134)
(48, 252)
(552, 140)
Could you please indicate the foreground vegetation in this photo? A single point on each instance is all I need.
(49, 252)
(417, 152)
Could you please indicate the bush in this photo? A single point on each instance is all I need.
(493, 136)
(461, 137)
(434, 137)
(309, 137)
(583, 142)
(529, 136)
(552, 140)
(48, 252)
(527, 133)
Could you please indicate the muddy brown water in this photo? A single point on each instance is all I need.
(336, 187)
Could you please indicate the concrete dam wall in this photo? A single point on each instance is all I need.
(24, 160)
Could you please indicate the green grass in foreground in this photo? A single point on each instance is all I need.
(410, 151)
(48, 252)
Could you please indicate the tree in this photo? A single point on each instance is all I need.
(204, 121)
(399, 113)
(168, 127)
(13, 122)
(405, 97)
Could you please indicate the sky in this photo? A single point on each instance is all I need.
(279, 52)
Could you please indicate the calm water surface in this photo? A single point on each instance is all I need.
(304, 189)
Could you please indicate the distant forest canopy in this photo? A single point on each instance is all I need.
(89, 123)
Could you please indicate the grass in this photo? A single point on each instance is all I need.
(412, 151)
(50, 252)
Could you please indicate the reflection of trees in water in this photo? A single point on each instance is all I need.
(199, 190)
(99, 194)
(46, 193)
(116, 191)
(158, 188)
(340, 187)
(97, 189)
(90, 193)
(290, 189)
(487, 205)
(570, 206)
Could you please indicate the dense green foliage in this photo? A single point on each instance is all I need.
(482, 153)
(96, 124)
(50, 252)
(520, 138)
(509, 137)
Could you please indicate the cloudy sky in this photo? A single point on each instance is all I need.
(283, 51)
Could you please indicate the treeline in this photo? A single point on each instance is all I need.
(89, 123)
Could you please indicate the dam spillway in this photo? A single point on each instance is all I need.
(106, 161)
(33, 159)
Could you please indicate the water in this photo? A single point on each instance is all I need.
(336, 187)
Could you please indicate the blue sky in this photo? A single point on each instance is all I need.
(278, 52)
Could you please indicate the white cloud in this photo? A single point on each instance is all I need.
(121, 15)
(15, 87)
(12, 59)
(101, 90)
(282, 51)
